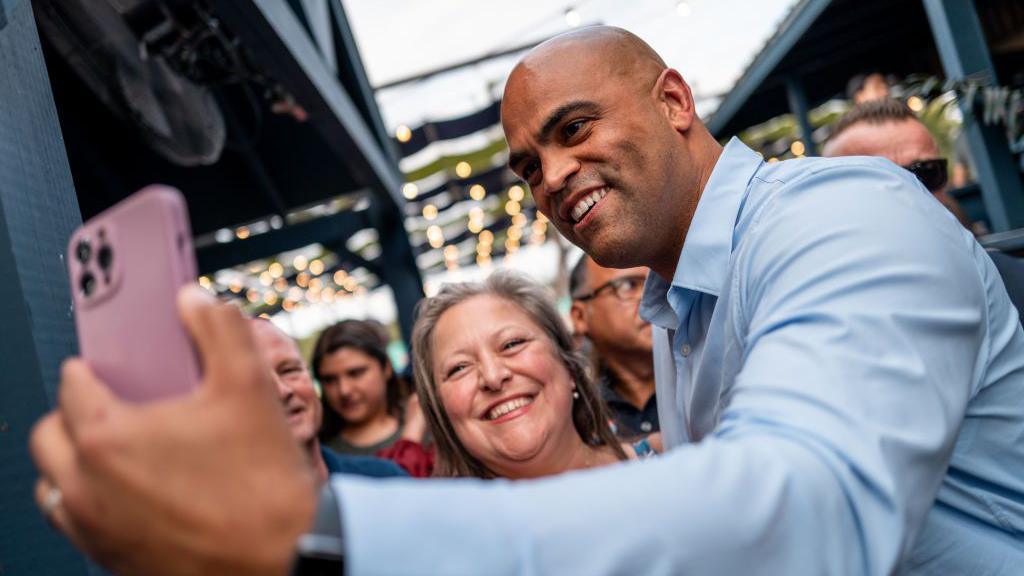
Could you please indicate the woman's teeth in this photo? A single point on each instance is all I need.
(586, 203)
(506, 407)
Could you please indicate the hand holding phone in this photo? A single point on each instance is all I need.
(126, 266)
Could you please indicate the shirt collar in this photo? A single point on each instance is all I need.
(704, 261)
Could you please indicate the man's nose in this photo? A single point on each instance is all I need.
(283, 389)
(557, 168)
(493, 373)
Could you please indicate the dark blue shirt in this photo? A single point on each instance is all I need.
(360, 465)
(628, 422)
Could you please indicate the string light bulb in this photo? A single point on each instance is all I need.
(463, 169)
(435, 236)
(403, 134)
(316, 267)
(410, 191)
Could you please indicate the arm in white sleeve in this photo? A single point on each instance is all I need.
(858, 355)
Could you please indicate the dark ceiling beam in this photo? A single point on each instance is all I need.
(796, 25)
(334, 230)
(281, 46)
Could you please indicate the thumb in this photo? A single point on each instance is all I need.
(224, 341)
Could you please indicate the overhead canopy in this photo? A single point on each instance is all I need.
(258, 110)
(826, 42)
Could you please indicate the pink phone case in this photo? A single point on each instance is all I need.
(126, 266)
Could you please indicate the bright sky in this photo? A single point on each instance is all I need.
(709, 41)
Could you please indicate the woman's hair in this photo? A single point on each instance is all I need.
(589, 414)
(368, 337)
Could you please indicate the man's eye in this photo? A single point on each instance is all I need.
(572, 128)
(530, 169)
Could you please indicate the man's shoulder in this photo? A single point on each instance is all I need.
(795, 170)
(359, 465)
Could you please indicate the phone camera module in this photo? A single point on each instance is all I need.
(83, 251)
(87, 284)
(105, 257)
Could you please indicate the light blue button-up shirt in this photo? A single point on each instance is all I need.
(841, 380)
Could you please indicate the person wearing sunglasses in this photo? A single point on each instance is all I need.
(890, 129)
(604, 311)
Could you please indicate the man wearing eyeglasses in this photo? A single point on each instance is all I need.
(890, 129)
(604, 311)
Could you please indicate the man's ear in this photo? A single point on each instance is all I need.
(675, 96)
(578, 317)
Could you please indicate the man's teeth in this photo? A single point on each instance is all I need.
(506, 407)
(586, 203)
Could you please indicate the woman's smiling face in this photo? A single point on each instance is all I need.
(503, 385)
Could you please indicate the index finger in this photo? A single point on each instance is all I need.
(82, 397)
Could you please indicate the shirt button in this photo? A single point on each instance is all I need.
(645, 426)
(684, 349)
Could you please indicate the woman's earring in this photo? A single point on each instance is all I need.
(575, 394)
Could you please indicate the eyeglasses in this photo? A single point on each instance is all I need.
(624, 288)
(931, 173)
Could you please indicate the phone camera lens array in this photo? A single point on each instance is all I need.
(105, 257)
(87, 283)
(83, 251)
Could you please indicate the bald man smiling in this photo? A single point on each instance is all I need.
(839, 378)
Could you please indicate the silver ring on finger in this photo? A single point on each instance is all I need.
(52, 500)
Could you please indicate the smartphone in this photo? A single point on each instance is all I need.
(126, 265)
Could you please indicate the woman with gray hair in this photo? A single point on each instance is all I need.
(502, 388)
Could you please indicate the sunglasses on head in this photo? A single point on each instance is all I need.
(931, 173)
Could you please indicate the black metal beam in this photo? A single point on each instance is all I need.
(465, 63)
(400, 271)
(964, 52)
(801, 112)
(333, 229)
(353, 75)
(799, 20)
(280, 45)
(38, 211)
